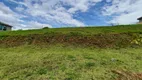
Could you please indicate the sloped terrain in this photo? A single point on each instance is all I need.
(103, 53)
(60, 62)
(99, 40)
(102, 37)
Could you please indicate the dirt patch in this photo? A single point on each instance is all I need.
(98, 40)
(124, 75)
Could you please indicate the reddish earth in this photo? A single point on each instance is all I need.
(99, 40)
(124, 75)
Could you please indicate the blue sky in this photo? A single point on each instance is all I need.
(35, 14)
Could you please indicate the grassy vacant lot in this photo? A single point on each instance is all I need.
(103, 53)
(69, 63)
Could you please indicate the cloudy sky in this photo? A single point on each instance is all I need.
(35, 14)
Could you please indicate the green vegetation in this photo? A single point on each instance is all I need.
(59, 62)
(102, 37)
(83, 30)
(83, 53)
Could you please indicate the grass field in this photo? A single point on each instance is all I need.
(83, 30)
(67, 63)
(83, 53)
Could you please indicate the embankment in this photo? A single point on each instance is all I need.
(108, 40)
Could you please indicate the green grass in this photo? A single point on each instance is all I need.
(50, 61)
(58, 62)
(83, 30)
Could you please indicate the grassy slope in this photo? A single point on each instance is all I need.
(58, 62)
(66, 63)
(85, 30)
(104, 37)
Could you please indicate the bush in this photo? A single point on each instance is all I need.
(46, 28)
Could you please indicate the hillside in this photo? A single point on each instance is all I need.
(102, 37)
(83, 53)
(83, 30)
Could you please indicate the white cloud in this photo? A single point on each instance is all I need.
(125, 11)
(14, 19)
(80, 5)
(58, 12)
(19, 9)
(8, 16)
(55, 10)
(34, 25)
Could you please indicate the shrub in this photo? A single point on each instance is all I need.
(137, 40)
(46, 28)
